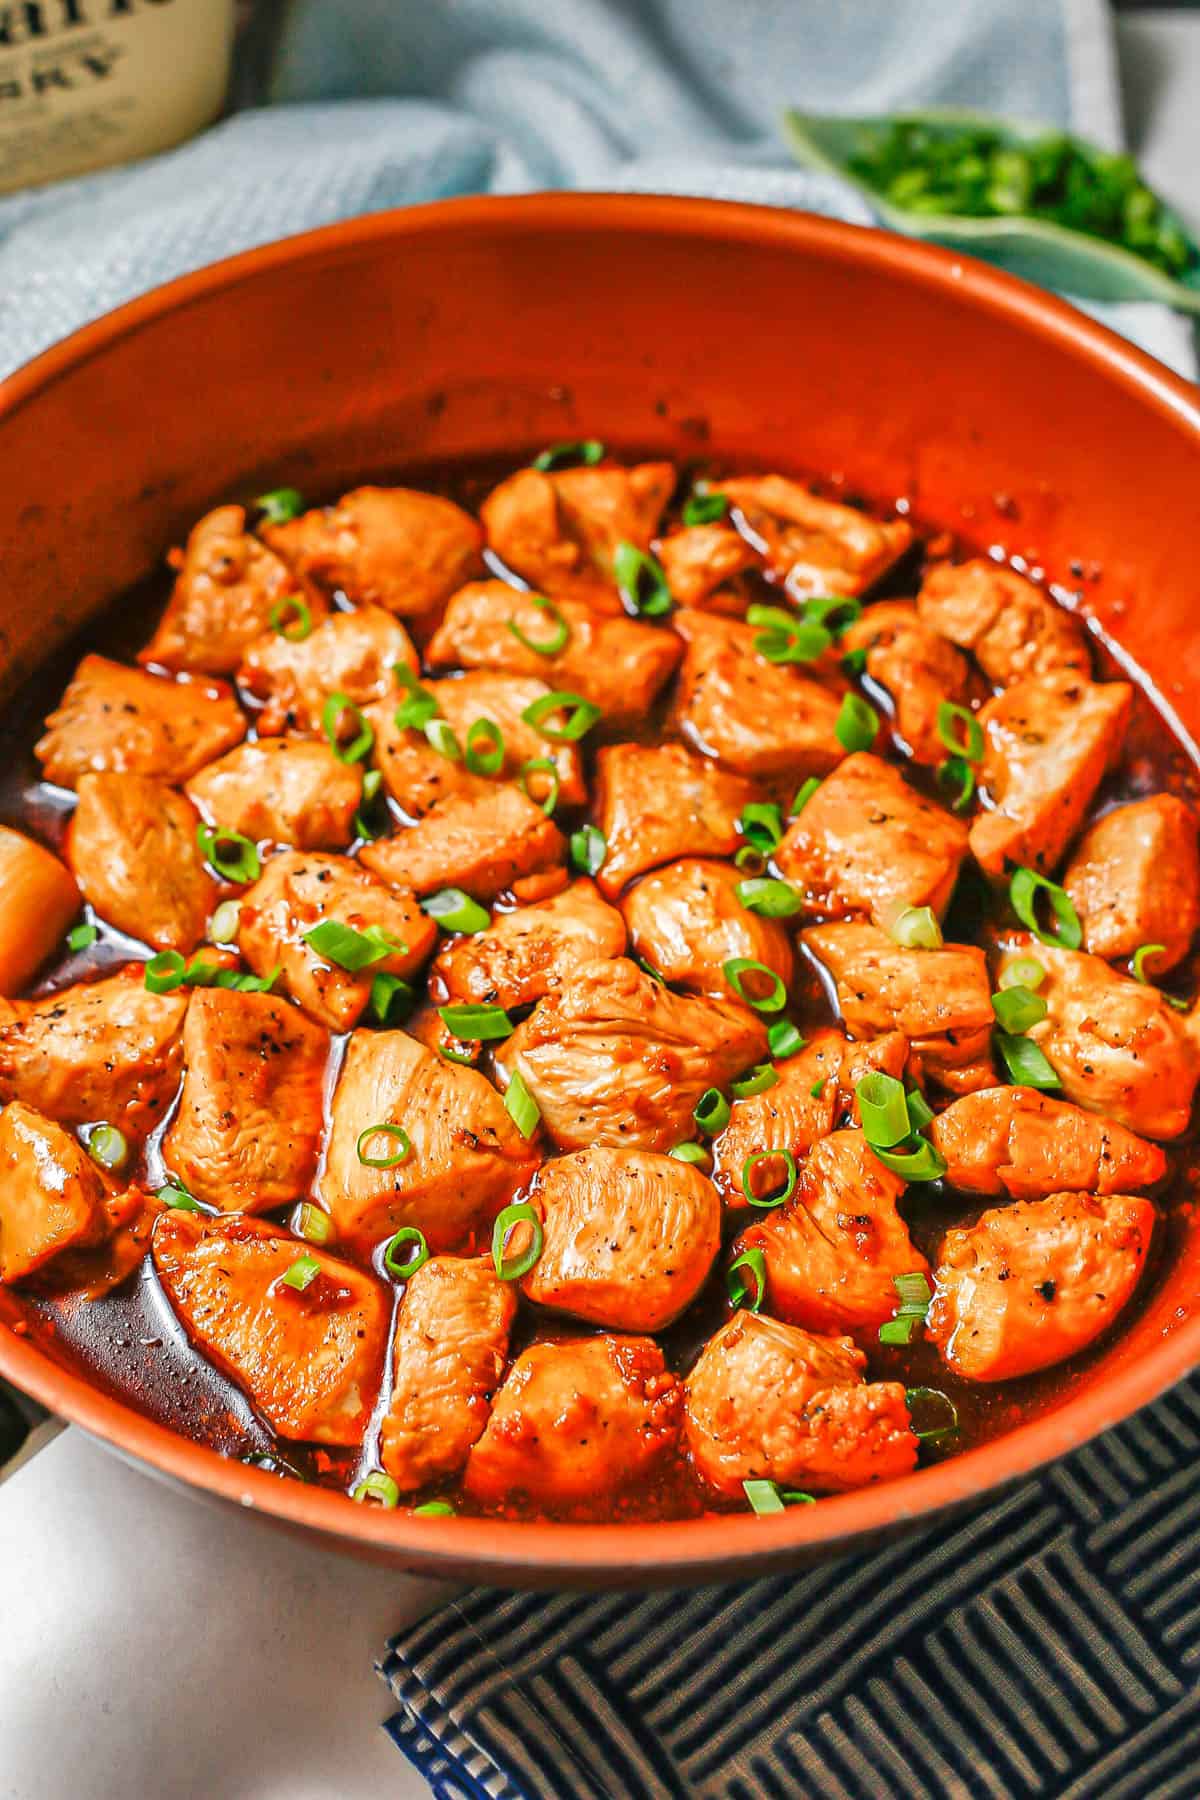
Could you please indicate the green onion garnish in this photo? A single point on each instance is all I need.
(292, 618)
(452, 910)
(920, 1113)
(1139, 960)
(1024, 972)
(935, 1394)
(476, 1024)
(956, 776)
(402, 1140)
(391, 999)
(755, 1081)
(923, 1163)
(172, 1195)
(857, 725)
(1023, 891)
(915, 1295)
(853, 663)
(1026, 1064)
(761, 824)
(774, 1196)
(767, 1497)
(441, 736)
(302, 1273)
(960, 731)
(370, 820)
(404, 1267)
(232, 855)
(485, 747)
(916, 928)
(314, 1225)
(690, 1153)
(336, 708)
(775, 997)
(739, 1288)
(883, 1108)
(350, 949)
(223, 926)
(641, 582)
(1016, 1009)
(581, 715)
(836, 612)
(377, 1489)
(750, 861)
(108, 1146)
(570, 454)
(434, 1509)
(521, 1106)
(547, 646)
(83, 936)
(783, 1039)
(786, 638)
(771, 898)
(704, 507)
(540, 765)
(419, 705)
(818, 1087)
(711, 1112)
(804, 794)
(164, 972)
(518, 1213)
(280, 505)
(588, 849)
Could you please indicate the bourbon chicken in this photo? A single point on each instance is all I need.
(578, 991)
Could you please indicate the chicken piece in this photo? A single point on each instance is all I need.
(831, 1252)
(132, 844)
(310, 1358)
(38, 900)
(465, 1159)
(353, 653)
(655, 803)
(529, 952)
(559, 531)
(687, 922)
(1010, 627)
(103, 1050)
(868, 843)
(816, 546)
(1036, 1281)
(939, 999)
(391, 547)
(575, 1423)
(1048, 742)
(702, 564)
(51, 1196)
(767, 1401)
(290, 790)
(1134, 879)
(630, 1238)
(417, 774)
(449, 1352)
(814, 1090)
(93, 1270)
(115, 718)
(1116, 1046)
(755, 717)
(481, 843)
(1019, 1142)
(613, 1057)
(250, 1118)
(915, 666)
(294, 893)
(619, 664)
(226, 589)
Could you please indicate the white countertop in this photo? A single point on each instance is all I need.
(155, 1647)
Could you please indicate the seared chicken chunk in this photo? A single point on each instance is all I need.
(767, 1401)
(832, 1250)
(576, 1422)
(249, 1124)
(309, 1358)
(559, 531)
(687, 922)
(1048, 742)
(755, 717)
(51, 1196)
(390, 547)
(461, 1158)
(655, 803)
(619, 664)
(816, 546)
(226, 589)
(866, 842)
(1017, 1141)
(702, 564)
(354, 653)
(481, 843)
(1135, 879)
(288, 789)
(449, 1352)
(1114, 1043)
(295, 893)
(121, 719)
(132, 844)
(612, 1057)
(1036, 1281)
(104, 1050)
(630, 1237)
(527, 953)
(915, 666)
(38, 900)
(1008, 625)
(939, 999)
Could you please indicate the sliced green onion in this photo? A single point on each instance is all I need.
(1139, 960)
(775, 1196)
(737, 1286)
(521, 1106)
(441, 736)
(770, 898)
(915, 928)
(854, 663)
(164, 972)
(302, 1274)
(641, 582)
(588, 849)
(230, 853)
(883, 1108)
(1026, 1064)
(391, 999)
(485, 747)
(786, 638)
(540, 765)
(1024, 972)
(857, 724)
(476, 1024)
(738, 967)
(764, 1497)
(690, 1153)
(418, 707)
(1016, 1009)
(804, 794)
(923, 1163)
(750, 861)
(434, 1509)
(704, 507)
(377, 1489)
(783, 1039)
(178, 1198)
(755, 1081)
(350, 949)
(336, 708)
(932, 1433)
(403, 1268)
(397, 1132)
(1023, 891)
(960, 731)
(83, 936)
(547, 646)
(570, 454)
(711, 1112)
(366, 825)
(223, 926)
(920, 1113)
(280, 505)
(581, 715)
(956, 776)
(452, 910)
(314, 1224)
(108, 1146)
(836, 612)
(292, 618)
(915, 1295)
(518, 1213)
(761, 824)
(818, 1087)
